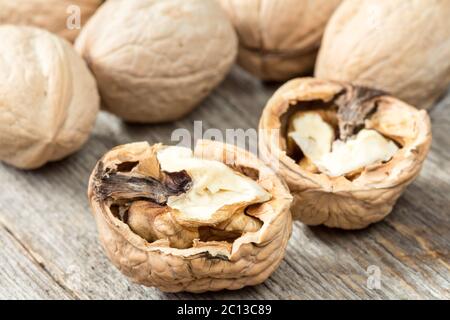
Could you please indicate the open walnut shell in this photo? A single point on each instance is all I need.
(353, 201)
(179, 256)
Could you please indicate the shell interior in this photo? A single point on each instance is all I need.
(173, 196)
(335, 137)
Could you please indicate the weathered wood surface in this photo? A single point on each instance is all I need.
(49, 247)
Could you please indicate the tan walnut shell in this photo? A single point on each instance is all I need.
(206, 266)
(156, 60)
(49, 99)
(52, 15)
(338, 201)
(279, 39)
(401, 47)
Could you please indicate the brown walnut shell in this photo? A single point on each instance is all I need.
(51, 15)
(48, 97)
(279, 39)
(401, 47)
(206, 265)
(345, 202)
(156, 60)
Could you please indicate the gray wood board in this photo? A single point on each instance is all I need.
(48, 238)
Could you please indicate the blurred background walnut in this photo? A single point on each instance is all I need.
(156, 60)
(52, 15)
(401, 47)
(279, 39)
(49, 99)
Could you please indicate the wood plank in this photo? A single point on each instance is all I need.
(48, 213)
(22, 276)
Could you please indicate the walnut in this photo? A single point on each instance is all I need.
(52, 15)
(279, 39)
(398, 46)
(155, 60)
(322, 152)
(346, 152)
(184, 221)
(49, 99)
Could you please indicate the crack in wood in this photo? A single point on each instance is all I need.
(38, 261)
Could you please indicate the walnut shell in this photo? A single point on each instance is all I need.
(155, 60)
(207, 265)
(351, 202)
(47, 14)
(49, 99)
(401, 47)
(279, 39)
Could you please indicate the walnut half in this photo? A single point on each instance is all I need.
(190, 221)
(346, 152)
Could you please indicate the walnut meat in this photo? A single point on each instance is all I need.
(212, 219)
(346, 152)
(398, 46)
(49, 99)
(52, 15)
(279, 39)
(155, 60)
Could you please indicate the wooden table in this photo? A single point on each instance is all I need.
(49, 247)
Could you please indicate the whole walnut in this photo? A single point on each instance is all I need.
(401, 47)
(49, 99)
(52, 15)
(279, 39)
(155, 60)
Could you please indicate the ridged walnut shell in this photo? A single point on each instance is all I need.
(51, 15)
(156, 60)
(341, 202)
(49, 99)
(401, 47)
(206, 266)
(279, 39)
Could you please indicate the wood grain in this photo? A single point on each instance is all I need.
(22, 275)
(48, 238)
